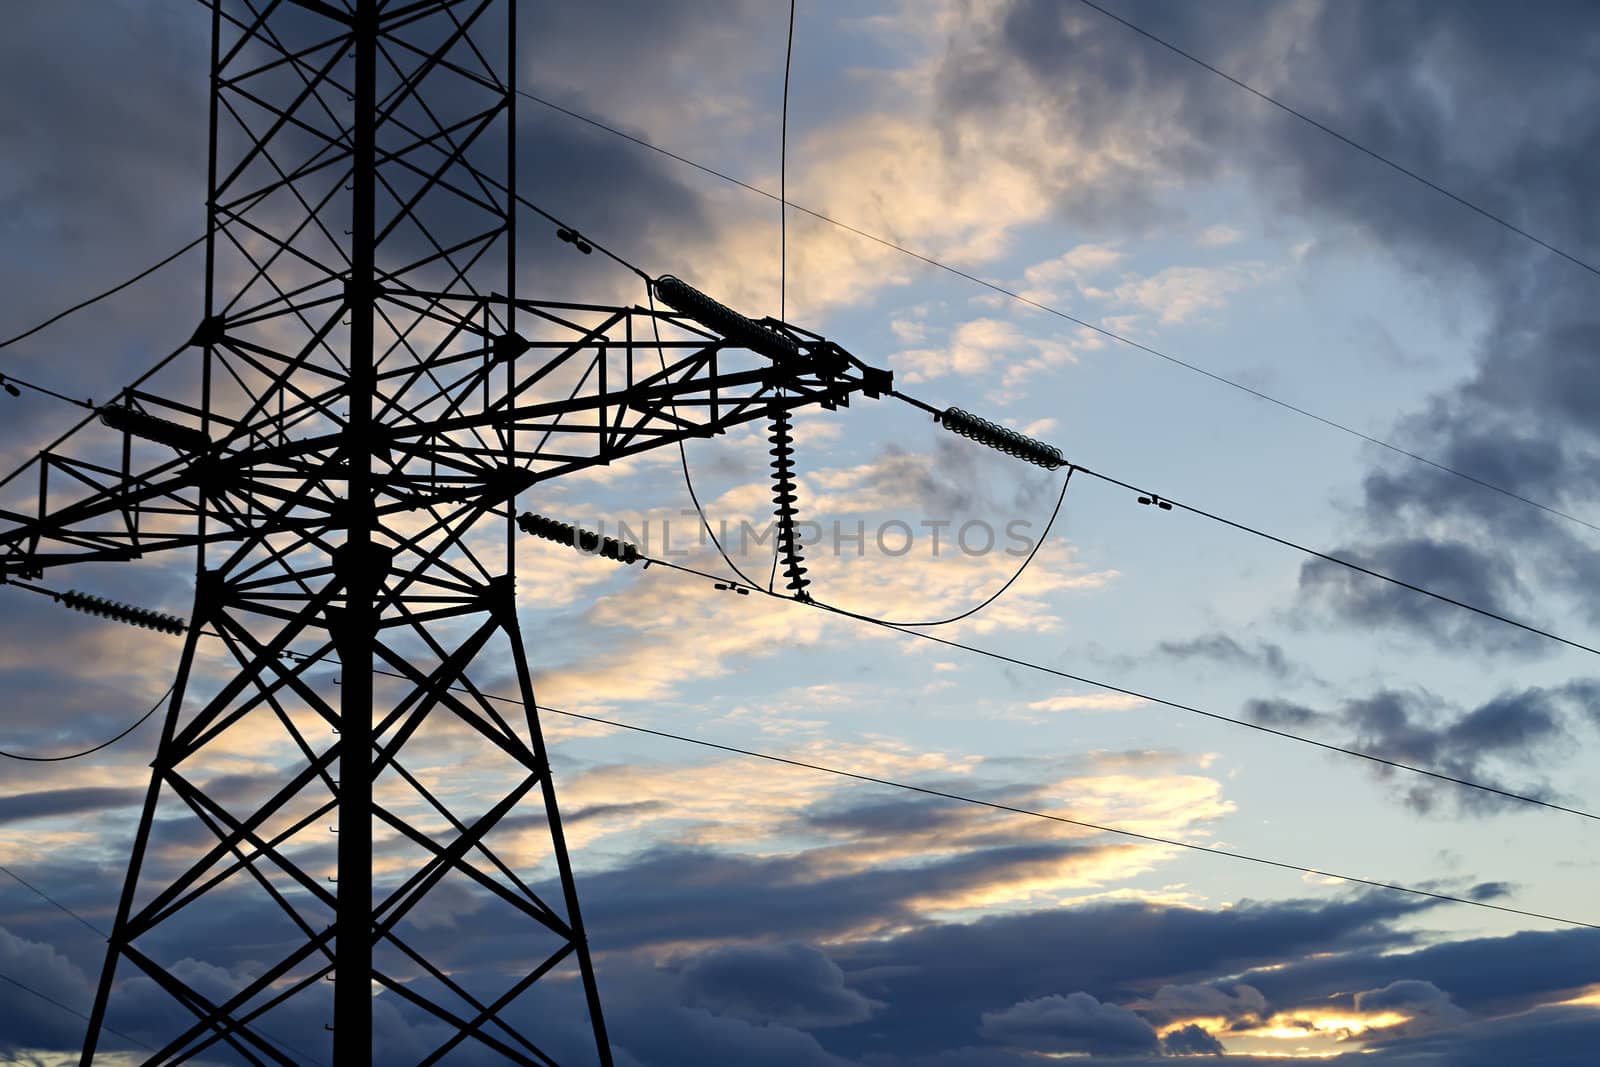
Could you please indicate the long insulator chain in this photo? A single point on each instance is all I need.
(1001, 438)
(783, 497)
(154, 428)
(119, 612)
(564, 533)
(721, 319)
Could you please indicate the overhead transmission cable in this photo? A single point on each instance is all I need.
(996, 436)
(75, 915)
(140, 721)
(1499, 220)
(1013, 294)
(1009, 582)
(1168, 504)
(1030, 450)
(1112, 687)
(783, 248)
(48, 999)
(783, 176)
(58, 316)
(1014, 809)
(586, 541)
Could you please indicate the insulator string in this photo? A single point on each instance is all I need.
(783, 499)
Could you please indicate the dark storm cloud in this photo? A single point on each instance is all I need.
(1428, 1006)
(55, 802)
(1499, 106)
(1525, 729)
(1077, 1023)
(1449, 568)
(947, 994)
(1191, 1040)
(680, 895)
(1231, 1001)
(937, 981)
(102, 176)
(792, 985)
(29, 1021)
(1484, 976)
(1549, 1036)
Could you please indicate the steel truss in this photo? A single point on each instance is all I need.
(341, 446)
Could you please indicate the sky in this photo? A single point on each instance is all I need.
(743, 912)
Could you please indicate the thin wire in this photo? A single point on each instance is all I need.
(140, 721)
(1015, 810)
(783, 226)
(1326, 557)
(783, 183)
(71, 1011)
(998, 593)
(1032, 813)
(58, 316)
(14, 876)
(683, 455)
(1357, 145)
(1358, 568)
(1058, 313)
(1175, 705)
(56, 903)
(602, 249)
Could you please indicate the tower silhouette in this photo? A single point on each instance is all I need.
(342, 444)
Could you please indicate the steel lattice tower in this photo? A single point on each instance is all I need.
(342, 444)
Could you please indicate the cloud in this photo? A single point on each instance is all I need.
(1217, 236)
(1453, 569)
(1524, 417)
(1425, 1006)
(1525, 729)
(1075, 1023)
(1266, 656)
(978, 348)
(1088, 702)
(1178, 294)
(50, 803)
(1230, 1003)
(1191, 1040)
(791, 985)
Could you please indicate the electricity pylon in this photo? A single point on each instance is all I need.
(342, 445)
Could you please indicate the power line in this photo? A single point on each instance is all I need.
(1350, 141)
(15, 877)
(1012, 294)
(1009, 582)
(140, 721)
(783, 243)
(572, 236)
(1174, 704)
(58, 316)
(62, 907)
(1348, 564)
(1035, 814)
(47, 998)
(683, 454)
(783, 181)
